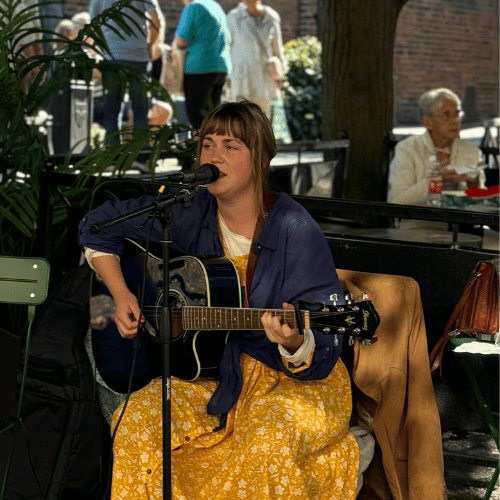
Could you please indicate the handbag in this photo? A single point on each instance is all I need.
(172, 74)
(476, 313)
(275, 68)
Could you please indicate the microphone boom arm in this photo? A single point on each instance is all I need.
(170, 199)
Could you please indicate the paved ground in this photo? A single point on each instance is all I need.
(469, 462)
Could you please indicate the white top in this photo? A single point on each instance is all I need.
(411, 165)
(236, 244)
(249, 75)
(33, 21)
(90, 254)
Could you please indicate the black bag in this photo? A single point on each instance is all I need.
(57, 455)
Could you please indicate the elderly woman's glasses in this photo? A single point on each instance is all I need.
(450, 115)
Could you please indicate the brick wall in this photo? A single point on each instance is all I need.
(451, 43)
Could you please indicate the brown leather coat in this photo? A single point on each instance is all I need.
(394, 372)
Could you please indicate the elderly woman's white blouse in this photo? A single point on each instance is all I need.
(411, 166)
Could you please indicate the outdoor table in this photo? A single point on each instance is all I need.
(460, 200)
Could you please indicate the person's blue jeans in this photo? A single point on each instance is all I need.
(114, 93)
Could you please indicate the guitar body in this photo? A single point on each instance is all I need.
(194, 353)
(197, 282)
(113, 354)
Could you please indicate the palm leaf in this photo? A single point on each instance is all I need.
(24, 150)
(22, 221)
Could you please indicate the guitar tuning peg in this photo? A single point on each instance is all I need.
(365, 296)
(334, 298)
(351, 341)
(367, 342)
(325, 309)
(349, 298)
(335, 340)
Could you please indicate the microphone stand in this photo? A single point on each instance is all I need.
(162, 206)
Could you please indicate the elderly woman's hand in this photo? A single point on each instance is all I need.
(451, 177)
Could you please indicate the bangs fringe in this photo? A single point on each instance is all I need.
(238, 120)
(225, 124)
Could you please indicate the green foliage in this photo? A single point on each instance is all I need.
(24, 150)
(302, 88)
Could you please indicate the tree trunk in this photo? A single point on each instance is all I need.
(357, 53)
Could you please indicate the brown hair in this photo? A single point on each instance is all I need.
(247, 122)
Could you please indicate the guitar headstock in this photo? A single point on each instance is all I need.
(354, 319)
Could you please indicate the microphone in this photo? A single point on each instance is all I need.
(205, 174)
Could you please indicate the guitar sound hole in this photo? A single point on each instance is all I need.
(176, 302)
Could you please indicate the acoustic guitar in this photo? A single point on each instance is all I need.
(205, 300)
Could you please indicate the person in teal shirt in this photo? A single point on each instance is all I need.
(203, 33)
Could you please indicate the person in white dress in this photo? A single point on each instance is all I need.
(255, 38)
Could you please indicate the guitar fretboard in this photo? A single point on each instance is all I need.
(234, 318)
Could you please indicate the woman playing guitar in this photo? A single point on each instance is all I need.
(276, 423)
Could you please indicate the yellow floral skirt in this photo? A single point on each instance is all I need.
(284, 439)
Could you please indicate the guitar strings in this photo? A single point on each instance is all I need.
(286, 311)
(289, 316)
(315, 314)
(177, 314)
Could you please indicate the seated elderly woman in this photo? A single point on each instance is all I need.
(441, 114)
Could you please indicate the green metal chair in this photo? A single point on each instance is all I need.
(23, 281)
(489, 416)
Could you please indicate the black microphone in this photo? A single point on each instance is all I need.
(205, 174)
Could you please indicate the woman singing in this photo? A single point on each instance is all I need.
(276, 423)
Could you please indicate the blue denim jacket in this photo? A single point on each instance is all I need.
(294, 262)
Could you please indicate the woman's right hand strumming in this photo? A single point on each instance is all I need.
(127, 310)
(126, 314)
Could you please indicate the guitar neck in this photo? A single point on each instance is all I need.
(234, 318)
